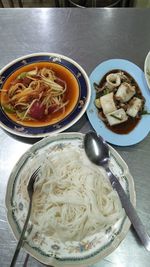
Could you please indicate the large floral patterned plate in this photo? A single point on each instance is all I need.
(77, 77)
(53, 252)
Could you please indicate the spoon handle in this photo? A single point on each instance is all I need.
(130, 210)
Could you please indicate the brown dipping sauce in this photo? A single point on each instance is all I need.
(124, 127)
(130, 124)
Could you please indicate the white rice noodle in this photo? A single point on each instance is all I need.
(73, 198)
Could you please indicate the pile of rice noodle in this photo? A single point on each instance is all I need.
(73, 198)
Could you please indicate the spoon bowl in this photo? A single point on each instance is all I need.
(96, 149)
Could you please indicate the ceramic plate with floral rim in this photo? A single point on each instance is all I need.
(42, 93)
(147, 69)
(142, 128)
(49, 250)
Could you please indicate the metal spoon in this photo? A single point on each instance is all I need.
(97, 151)
(30, 189)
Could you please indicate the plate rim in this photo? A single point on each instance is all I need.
(126, 224)
(68, 125)
(145, 69)
(134, 136)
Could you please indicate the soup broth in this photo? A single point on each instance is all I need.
(71, 94)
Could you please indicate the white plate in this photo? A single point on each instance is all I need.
(50, 252)
(147, 69)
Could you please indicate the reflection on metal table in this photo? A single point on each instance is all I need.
(89, 37)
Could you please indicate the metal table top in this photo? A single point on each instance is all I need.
(88, 36)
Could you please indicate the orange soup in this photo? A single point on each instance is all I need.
(40, 106)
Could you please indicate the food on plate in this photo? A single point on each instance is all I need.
(118, 114)
(71, 200)
(113, 80)
(107, 103)
(40, 92)
(36, 93)
(119, 101)
(135, 106)
(125, 92)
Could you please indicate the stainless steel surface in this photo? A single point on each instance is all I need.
(88, 36)
(97, 151)
(30, 189)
